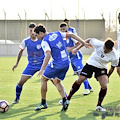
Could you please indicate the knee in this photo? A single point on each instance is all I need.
(104, 87)
(80, 80)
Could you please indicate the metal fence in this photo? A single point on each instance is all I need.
(16, 30)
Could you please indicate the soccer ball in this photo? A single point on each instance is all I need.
(4, 106)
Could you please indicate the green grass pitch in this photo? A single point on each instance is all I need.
(80, 108)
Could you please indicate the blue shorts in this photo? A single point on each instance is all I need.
(77, 65)
(53, 71)
(30, 70)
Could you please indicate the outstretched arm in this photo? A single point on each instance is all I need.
(18, 59)
(78, 39)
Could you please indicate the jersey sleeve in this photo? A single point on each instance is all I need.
(45, 46)
(64, 35)
(96, 43)
(115, 62)
(22, 45)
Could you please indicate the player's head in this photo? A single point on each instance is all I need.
(119, 17)
(31, 30)
(108, 45)
(63, 27)
(67, 21)
(40, 31)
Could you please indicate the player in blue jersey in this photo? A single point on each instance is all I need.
(76, 60)
(35, 59)
(53, 46)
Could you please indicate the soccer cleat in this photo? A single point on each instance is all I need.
(86, 92)
(91, 90)
(41, 106)
(100, 108)
(16, 101)
(65, 105)
(61, 102)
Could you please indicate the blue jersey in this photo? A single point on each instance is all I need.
(71, 29)
(54, 42)
(70, 43)
(34, 51)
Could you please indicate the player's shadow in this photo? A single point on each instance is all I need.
(28, 112)
(113, 110)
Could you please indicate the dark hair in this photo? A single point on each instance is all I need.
(32, 25)
(40, 28)
(63, 24)
(66, 20)
(109, 43)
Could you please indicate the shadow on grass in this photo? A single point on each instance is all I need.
(28, 113)
(113, 110)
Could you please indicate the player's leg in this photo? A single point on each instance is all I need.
(27, 73)
(103, 80)
(74, 68)
(19, 87)
(43, 104)
(79, 65)
(84, 74)
(118, 68)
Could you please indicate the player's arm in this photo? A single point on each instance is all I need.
(18, 59)
(69, 49)
(114, 63)
(76, 37)
(75, 50)
(111, 70)
(22, 47)
(47, 51)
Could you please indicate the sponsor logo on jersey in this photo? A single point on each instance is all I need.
(59, 44)
(52, 37)
(38, 46)
(102, 55)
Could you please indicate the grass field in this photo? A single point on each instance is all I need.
(80, 108)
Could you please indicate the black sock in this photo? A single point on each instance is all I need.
(64, 99)
(74, 88)
(43, 101)
(102, 94)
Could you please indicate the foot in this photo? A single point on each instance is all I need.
(61, 102)
(91, 90)
(65, 105)
(86, 92)
(41, 106)
(100, 108)
(16, 101)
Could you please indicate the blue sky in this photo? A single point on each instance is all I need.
(58, 9)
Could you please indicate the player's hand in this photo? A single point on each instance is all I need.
(74, 51)
(40, 73)
(15, 66)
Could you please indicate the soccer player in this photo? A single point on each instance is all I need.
(118, 39)
(103, 54)
(76, 60)
(53, 46)
(35, 59)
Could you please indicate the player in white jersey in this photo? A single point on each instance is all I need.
(103, 54)
(118, 39)
(53, 46)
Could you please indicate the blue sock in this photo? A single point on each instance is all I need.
(18, 91)
(89, 87)
(86, 84)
